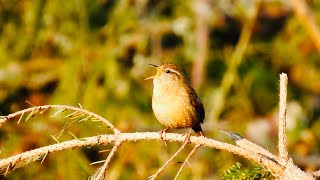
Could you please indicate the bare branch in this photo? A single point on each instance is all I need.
(282, 144)
(101, 173)
(36, 154)
(169, 160)
(186, 160)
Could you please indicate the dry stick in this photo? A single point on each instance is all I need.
(290, 170)
(101, 173)
(282, 144)
(186, 160)
(169, 160)
(4, 119)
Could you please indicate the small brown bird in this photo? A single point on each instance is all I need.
(174, 102)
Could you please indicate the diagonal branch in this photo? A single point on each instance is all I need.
(169, 160)
(101, 173)
(186, 160)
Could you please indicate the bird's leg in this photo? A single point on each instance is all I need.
(162, 134)
(188, 135)
(200, 133)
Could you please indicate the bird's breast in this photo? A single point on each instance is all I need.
(172, 107)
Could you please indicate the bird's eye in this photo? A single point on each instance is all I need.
(168, 71)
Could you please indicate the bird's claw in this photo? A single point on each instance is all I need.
(162, 134)
(187, 139)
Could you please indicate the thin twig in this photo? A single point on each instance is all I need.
(100, 174)
(20, 118)
(186, 160)
(169, 160)
(282, 144)
(44, 157)
(98, 162)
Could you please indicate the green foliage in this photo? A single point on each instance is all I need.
(235, 172)
(96, 53)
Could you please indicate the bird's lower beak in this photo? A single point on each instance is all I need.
(157, 75)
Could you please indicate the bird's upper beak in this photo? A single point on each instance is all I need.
(158, 72)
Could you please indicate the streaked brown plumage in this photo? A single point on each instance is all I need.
(174, 102)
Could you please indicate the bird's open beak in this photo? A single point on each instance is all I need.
(158, 72)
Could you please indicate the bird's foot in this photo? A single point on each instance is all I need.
(188, 135)
(162, 134)
(200, 133)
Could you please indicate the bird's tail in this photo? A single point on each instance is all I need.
(198, 130)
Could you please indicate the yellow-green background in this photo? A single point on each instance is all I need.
(96, 53)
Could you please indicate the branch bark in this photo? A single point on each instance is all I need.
(282, 144)
(36, 154)
(16, 161)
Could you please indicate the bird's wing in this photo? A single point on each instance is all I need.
(197, 103)
(200, 109)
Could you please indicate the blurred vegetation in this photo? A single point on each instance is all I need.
(96, 53)
(235, 172)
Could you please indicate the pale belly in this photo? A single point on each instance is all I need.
(174, 111)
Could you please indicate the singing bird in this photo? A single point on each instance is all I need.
(174, 102)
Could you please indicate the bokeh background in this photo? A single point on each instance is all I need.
(96, 53)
